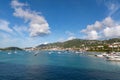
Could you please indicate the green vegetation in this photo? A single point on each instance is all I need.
(10, 48)
(80, 44)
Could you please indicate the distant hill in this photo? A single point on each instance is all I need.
(11, 48)
(112, 40)
(72, 43)
(78, 43)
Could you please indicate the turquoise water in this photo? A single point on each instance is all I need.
(56, 66)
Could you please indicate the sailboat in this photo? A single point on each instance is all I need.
(9, 52)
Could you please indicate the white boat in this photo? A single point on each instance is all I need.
(59, 52)
(99, 55)
(15, 52)
(78, 52)
(113, 58)
(105, 54)
(49, 52)
(9, 53)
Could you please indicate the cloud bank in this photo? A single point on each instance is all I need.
(107, 28)
(38, 26)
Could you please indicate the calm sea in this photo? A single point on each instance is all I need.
(56, 66)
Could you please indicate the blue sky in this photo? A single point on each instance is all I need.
(25, 23)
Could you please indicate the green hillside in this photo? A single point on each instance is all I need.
(11, 48)
(81, 43)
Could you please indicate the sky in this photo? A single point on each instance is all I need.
(26, 23)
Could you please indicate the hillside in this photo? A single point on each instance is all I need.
(11, 48)
(80, 43)
(73, 43)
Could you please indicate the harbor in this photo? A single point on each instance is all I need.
(56, 64)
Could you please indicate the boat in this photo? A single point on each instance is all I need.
(15, 52)
(59, 52)
(9, 53)
(77, 52)
(113, 58)
(99, 55)
(49, 52)
(105, 54)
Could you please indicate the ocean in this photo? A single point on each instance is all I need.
(56, 65)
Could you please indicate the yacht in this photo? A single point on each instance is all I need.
(113, 58)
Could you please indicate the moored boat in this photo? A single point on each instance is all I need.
(113, 58)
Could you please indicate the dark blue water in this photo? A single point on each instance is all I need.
(65, 66)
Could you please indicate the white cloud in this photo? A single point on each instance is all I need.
(20, 30)
(4, 36)
(98, 25)
(61, 40)
(93, 35)
(71, 38)
(15, 3)
(38, 26)
(112, 32)
(107, 28)
(8, 40)
(113, 6)
(69, 33)
(4, 26)
(109, 22)
(45, 43)
(18, 35)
